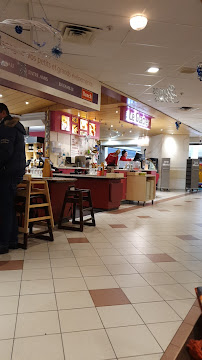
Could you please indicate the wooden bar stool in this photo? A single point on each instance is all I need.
(77, 198)
(30, 201)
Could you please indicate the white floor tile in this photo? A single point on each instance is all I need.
(37, 274)
(63, 262)
(36, 264)
(87, 345)
(70, 284)
(137, 259)
(79, 320)
(121, 269)
(9, 288)
(74, 300)
(37, 302)
(181, 307)
(164, 332)
(110, 260)
(94, 270)
(10, 275)
(144, 357)
(61, 254)
(84, 253)
(155, 312)
(36, 287)
(8, 305)
(133, 340)
(130, 280)
(36, 255)
(191, 287)
(158, 278)
(120, 315)
(141, 294)
(89, 260)
(184, 277)
(147, 268)
(6, 349)
(100, 282)
(171, 266)
(66, 272)
(173, 292)
(38, 347)
(37, 323)
(7, 326)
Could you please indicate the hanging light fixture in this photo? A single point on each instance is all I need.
(138, 22)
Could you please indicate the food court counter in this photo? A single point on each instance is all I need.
(106, 192)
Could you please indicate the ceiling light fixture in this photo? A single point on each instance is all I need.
(138, 22)
(27, 102)
(117, 111)
(1, 95)
(130, 131)
(161, 129)
(112, 125)
(153, 70)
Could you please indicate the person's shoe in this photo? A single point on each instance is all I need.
(4, 250)
(13, 246)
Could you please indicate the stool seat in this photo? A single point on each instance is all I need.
(77, 198)
(30, 201)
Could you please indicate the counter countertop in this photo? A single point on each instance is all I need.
(71, 168)
(55, 179)
(87, 176)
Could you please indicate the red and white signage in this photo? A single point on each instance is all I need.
(135, 117)
(87, 95)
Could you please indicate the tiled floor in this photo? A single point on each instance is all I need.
(117, 291)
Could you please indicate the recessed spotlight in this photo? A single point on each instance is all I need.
(117, 132)
(172, 133)
(153, 70)
(130, 131)
(117, 111)
(138, 22)
(161, 129)
(1, 95)
(112, 125)
(27, 102)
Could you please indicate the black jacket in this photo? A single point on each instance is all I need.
(12, 148)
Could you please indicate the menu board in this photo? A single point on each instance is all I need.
(92, 129)
(83, 125)
(75, 125)
(65, 123)
(78, 146)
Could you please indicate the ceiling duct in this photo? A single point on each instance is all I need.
(78, 34)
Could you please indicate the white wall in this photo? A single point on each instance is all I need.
(175, 147)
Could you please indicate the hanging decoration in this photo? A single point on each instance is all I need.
(18, 29)
(56, 51)
(165, 95)
(177, 124)
(199, 71)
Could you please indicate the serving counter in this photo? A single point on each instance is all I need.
(106, 192)
(57, 189)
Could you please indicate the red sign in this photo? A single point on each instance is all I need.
(87, 95)
(135, 117)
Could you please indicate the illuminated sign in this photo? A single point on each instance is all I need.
(135, 117)
(65, 123)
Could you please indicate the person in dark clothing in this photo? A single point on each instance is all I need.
(12, 169)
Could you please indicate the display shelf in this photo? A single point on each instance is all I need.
(141, 187)
(192, 174)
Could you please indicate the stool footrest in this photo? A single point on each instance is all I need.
(38, 205)
(40, 218)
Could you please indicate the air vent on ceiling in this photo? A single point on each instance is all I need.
(78, 34)
(187, 70)
(186, 108)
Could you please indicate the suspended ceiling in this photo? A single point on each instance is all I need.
(120, 57)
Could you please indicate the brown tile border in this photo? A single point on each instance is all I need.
(77, 240)
(109, 297)
(182, 333)
(11, 265)
(155, 258)
(118, 226)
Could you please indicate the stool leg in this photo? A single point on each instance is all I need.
(74, 214)
(81, 211)
(91, 205)
(62, 213)
(25, 241)
(50, 230)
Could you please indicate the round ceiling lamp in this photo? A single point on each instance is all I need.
(138, 22)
